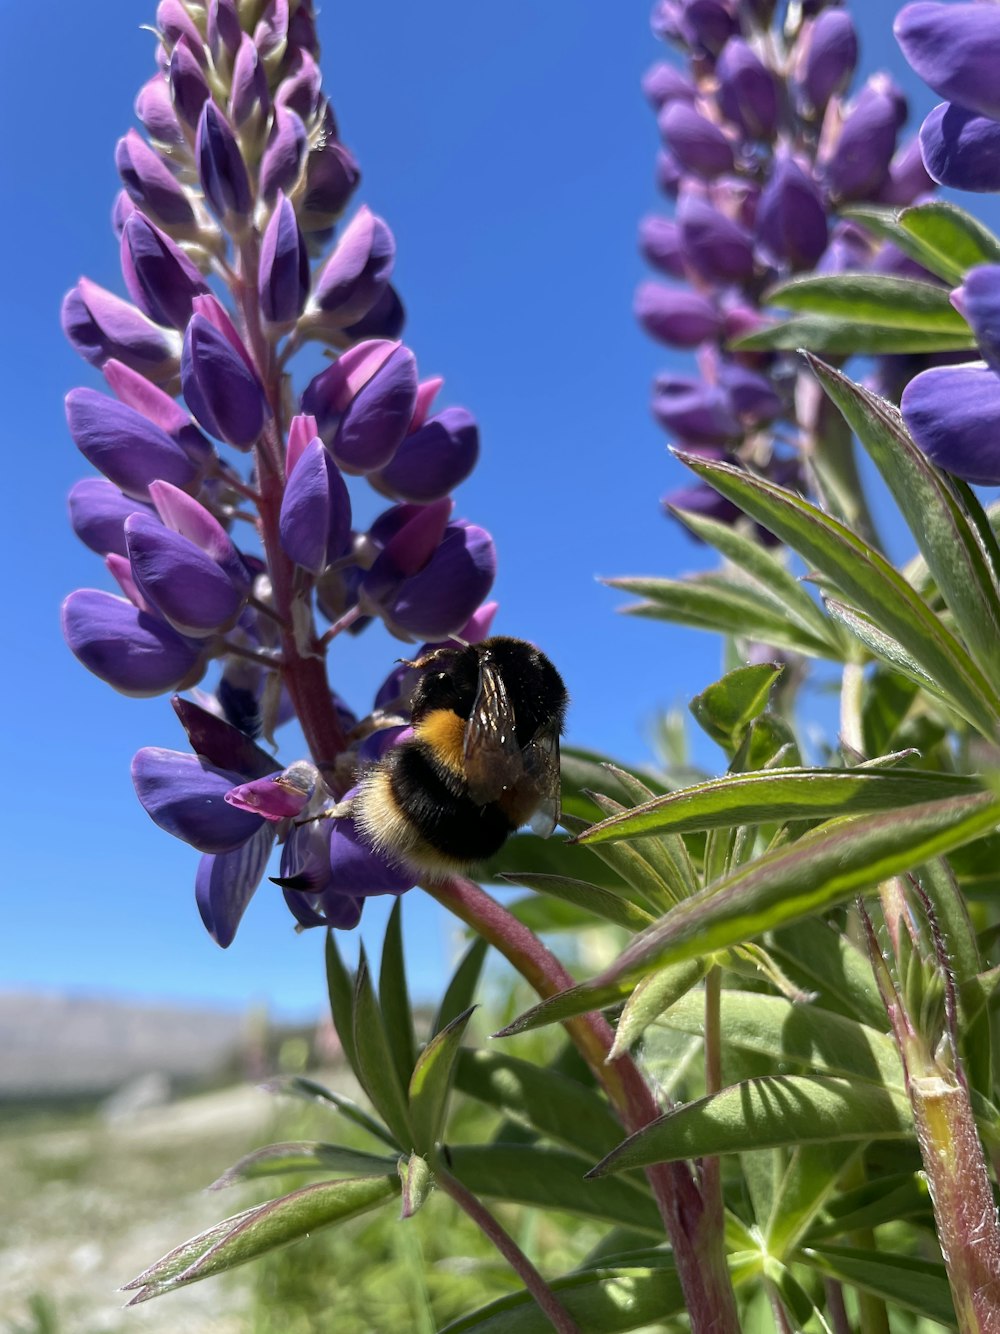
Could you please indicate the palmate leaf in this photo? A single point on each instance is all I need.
(774, 796)
(866, 579)
(766, 1113)
(915, 1285)
(949, 540)
(942, 237)
(827, 865)
(256, 1231)
(607, 1299)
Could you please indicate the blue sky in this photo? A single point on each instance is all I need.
(512, 158)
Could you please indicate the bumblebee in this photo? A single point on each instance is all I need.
(483, 759)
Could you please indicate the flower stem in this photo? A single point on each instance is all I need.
(491, 1228)
(695, 1234)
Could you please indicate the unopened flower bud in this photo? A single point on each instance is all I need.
(831, 53)
(315, 510)
(431, 461)
(953, 49)
(158, 274)
(676, 316)
(97, 511)
(716, 248)
(101, 325)
(221, 168)
(136, 653)
(188, 85)
(748, 93)
(249, 95)
(155, 109)
(127, 447)
(953, 414)
(357, 272)
(697, 143)
(791, 216)
(151, 184)
(284, 154)
(332, 176)
(660, 245)
(283, 274)
(220, 388)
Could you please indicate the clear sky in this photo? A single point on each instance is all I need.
(511, 152)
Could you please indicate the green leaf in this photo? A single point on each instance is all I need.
(584, 771)
(881, 645)
(552, 1179)
(646, 888)
(432, 1080)
(544, 1099)
(727, 707)
(882, 1200)
(722, 603)
(394, 998)
(652, 997)
(527, 854)
(462, 987)
(755, 561)
(824, 960)
(779, 795)
(872, 299)
(943, 238)
(376, 1070)
(340, 987)
(278, 1159)
(809, 1180)
(826, 866)
(259, 1230)
(915, 1285)
(765, 1113)
(797, 1035)
(668, 853)
(581, 999)
(592, 898)
(843, 337)
(864, 577)
(416, 1181)
(611, 1299)
(543, 915)
(950, 542)
(310, 1091)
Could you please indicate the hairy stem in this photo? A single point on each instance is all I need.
(491, 1228)
(695, 1234)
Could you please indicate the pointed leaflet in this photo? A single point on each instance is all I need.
(764, 1113)
(872, 299)
(653, 997)
(376, 1070)
(310, 1091)
(884, 1199)
(822, 959)
(950, 542)
(945, 239)
(340, 987)
(431, 1082)
(552, 1179)
(915, 1285)
(462, 987)
(826, 866)
(607, 1299)
(644, 887)
(417, 1183)
(276, 1159)
(671, 851)
(673, 868)
(866, 578)
(257, 1231)
(600, 902)
(773, 796)
(727, 707)
(807, 1183)
(394, 998)
(883, 646)
(842, 337)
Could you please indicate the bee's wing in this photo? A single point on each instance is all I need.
(541, 764)
(493, 760)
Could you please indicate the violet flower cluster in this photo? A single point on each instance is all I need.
(761, 145)
(224, 515)
(953, 412)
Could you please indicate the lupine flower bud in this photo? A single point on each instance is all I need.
(160, 278)
(859, 165)
(676, 316)
(221, 168)
(953, 413)
(179, 580)
(188, 85)
(249, 95)
(699, 146)
(224, 31)
(300, 90)
(426, 393)
(127, 447)
(186, 796)
(668, 173)
(151, 184)
(432, 460)
(660, 245)
(961, 149)
(664, 83)
(135, 390)
(283, 273)
(830, 57)
(315, 511)
(184, 515)
(101, 325)
(133, 651)
(978, 301)
(437, 601)
(226, 882)
(752, 397)
(715, 247)
(284, 154)
(693, 411)
(155, 109)
(222, 391)
(174, 22)
(97, 511)
(408, 535)
(385, 319)
(953, 49)
(748, 94)
(908, 178)
(705, 25)
(791, 217)
(121, 211)
(332, 176)
(307, 880)
(357, 272)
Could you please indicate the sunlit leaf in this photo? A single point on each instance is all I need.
(431, 1082)
(872, 299)
(652, 997)
(394, 997)
(726, 708)
(277, 1159)
(376, 1070)
(920, 1286)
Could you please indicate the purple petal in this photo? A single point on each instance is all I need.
(791, 216)
(748, 93)
(185, 585)
(279, 796)
(660, 245)
(283, 155)
(433, 460)
(249, 92)
(97, 512)
(221, 744)
(696, 412)
(859, 164)
(159, 276)
(134, 652)
(954, 49)
(283, 272)
(221, 168)
(127, 447)
(356, 273)
(676, 316)
(978, 301)
(666, 83)
(226, 882)
(188, 85)
(101, 325)
(150, 182)
(831, 56)
(961, 149)
(185, 796)
(696, 142)
(718, 249)
(315, 511)
(356, 871)
(385, 319)
(953, 413)
(155, 109)
(222, 393)
(301, 87)
(437, 602)
(332, 176)
(378, 417)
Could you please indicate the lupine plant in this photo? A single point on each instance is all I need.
(779, 1093)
